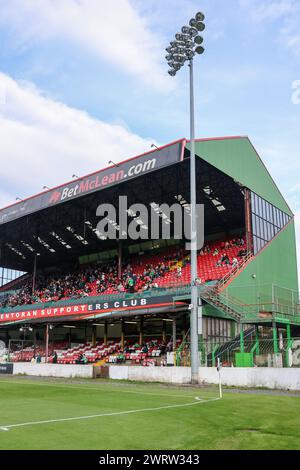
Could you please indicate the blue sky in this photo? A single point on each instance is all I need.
(84, 81)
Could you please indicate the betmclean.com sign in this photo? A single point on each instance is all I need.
(85, 309)
(102, 179)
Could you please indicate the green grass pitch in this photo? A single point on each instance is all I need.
(58, 414)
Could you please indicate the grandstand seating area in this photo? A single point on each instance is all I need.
(28, 353)
(86, 353)
(147, 354)
(140, 273)
(133, 353)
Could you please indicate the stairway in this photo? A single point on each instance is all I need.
(226, 305)
(226, 280)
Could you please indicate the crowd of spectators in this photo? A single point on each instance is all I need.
(137, 275)
(90, 280)
(221, 252)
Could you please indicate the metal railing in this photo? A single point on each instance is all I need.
(234, 271)
(253, 352)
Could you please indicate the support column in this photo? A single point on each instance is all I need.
(164, 335)
(122, 333)
(248, 221)
(34, 273)
(289, 340)
(46, 343)
(94, 336)
(242, 343)
(120, 255)
(257, 340)
(34, 342)
(174, 335)
(141, 339)
(105, 333)
(201, 346)
(275, 339)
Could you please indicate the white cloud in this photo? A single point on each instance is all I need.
(290, 35)
(268, 10)
(109, 30)
(43, 142)
(288, 11)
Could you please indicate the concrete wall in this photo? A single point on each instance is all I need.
(53, 370)
(176, 375)
(273, 378)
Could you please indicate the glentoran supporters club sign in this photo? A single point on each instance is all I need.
(85, 309)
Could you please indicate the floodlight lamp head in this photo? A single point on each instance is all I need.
(198, 40)
(200, 50)
(172, 72)
(189, 45)
(185, 30)
(179, 57)
(193, 32)
(181, 37)
(190, 55)
(177, 66)
(200, 26)
(200, 16)
(188, 40)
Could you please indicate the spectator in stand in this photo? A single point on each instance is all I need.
(82, 359)
(121, 288)
(225, 259)
(242, 253)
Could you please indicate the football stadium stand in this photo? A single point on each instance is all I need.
(164, 269)
(90, 298)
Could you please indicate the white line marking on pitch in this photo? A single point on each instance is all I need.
(103, 415)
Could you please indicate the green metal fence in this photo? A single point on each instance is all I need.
(253, 352)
